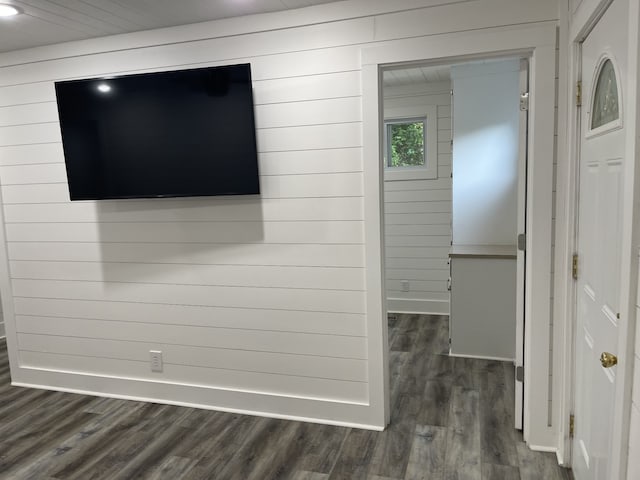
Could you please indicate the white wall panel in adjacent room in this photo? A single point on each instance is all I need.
(418, 212)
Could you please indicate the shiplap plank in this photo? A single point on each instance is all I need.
(310, 161)
(187, 335)
(417, 274)
(417, 252)
(415, 89)
(28, 114)
(282, 64)
(463, 16)
(444, 135)
(397, 104)
(418, 207)
(418, 241)
(169, 253)
(265, 362)
(252, 297)
(439, 295)
(444, 111)
(223, 275)
(417, 263)
(331, 85)
(314, 112)
(417, 285)
(444, 148)
(418, 195)
(313, 185)
(229, 379)
(341, 135)
(419, 230)
(25, 93)
(417, 218)
(242, 318)
(445, 160)
(190, 210)
(33, 174)
(31, 154)
(29, 134)
(441, 185)
(190, 232)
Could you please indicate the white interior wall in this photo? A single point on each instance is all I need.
(418, 212)
(257, 304)
(485, 152)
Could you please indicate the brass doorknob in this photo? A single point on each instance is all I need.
(608, 360)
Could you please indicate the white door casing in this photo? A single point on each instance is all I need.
(601, 166)
(521, 229)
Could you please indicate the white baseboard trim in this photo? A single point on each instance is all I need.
(482, 357)
(322, 411)
(429, 307)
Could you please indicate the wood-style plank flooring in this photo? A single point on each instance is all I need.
(451, 419)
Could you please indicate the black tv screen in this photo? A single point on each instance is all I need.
(167, 134)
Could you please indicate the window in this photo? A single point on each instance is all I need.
(605, 109)
(411, 146)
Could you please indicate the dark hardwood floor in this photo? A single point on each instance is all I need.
(451, 419)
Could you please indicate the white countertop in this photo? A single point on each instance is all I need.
(483, 251)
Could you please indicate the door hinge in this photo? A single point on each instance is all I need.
(522, 241)
(579, 93)
(524, 101)
(572, 424)
(574, 266)
(520, 374)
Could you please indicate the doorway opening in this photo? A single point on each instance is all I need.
(454, 147)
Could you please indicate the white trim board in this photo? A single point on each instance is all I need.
(256, 413)
(480, 357)
(425, 307)
(539, 42)
(316, 410)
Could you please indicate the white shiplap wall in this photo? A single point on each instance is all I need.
(257, 303)
(418, 212)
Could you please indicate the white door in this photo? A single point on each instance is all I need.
(601, 164)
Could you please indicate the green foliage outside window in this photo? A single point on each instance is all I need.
(406, 142)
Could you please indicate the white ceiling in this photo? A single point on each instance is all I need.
(409, 76)
(46, 22)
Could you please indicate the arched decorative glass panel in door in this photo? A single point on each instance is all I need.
(605, 108)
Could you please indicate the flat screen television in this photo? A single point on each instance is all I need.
(167, 134)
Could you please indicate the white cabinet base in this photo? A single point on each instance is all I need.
(483, 307)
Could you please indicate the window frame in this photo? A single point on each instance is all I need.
(428, 115)
(617, 123)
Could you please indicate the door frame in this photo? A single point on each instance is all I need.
(577, 29)
(538, 42)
